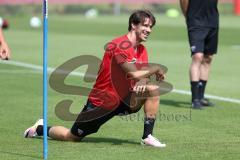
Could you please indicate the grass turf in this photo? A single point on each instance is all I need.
(209, 134)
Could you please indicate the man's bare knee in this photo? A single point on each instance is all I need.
(153, 91)
(70, 137)
(208, 59)
(197, 57)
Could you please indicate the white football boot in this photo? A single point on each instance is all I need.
(152, 141)
(31, 132)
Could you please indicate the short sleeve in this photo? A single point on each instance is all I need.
(121, 56)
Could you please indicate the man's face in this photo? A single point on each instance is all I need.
(143, 30)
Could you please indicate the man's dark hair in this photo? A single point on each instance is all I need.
(138, 17)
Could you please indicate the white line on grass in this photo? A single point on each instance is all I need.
(237, 47)
(37, 67)
(209, 96)
(19, 71)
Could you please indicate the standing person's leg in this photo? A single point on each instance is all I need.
(205, 71)
(194, 73)
(197, 36)
(205, 67)
(211, 44)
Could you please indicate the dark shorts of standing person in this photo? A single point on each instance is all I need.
(203, 39)
(93, 117)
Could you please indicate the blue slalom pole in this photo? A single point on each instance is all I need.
(45, 78)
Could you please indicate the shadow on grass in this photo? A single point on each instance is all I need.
(174, 103)
(108, 140)
(20, 154)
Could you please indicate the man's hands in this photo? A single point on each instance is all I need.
(4, 51)
(160, 76)
(141, 85)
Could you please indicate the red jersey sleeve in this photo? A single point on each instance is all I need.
(121, 56)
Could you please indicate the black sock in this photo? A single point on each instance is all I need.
(202, 84)
(148, 126)
(195, 90)
(39, 130)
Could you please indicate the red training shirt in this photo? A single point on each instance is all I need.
(111, 85)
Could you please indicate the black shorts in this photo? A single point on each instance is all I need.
(203, 39)
(92, 117)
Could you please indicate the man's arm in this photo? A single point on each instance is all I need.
(184, 6)
(4, 49)
(141, 75)
(133, 73)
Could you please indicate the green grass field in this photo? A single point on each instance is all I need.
(210, 134)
